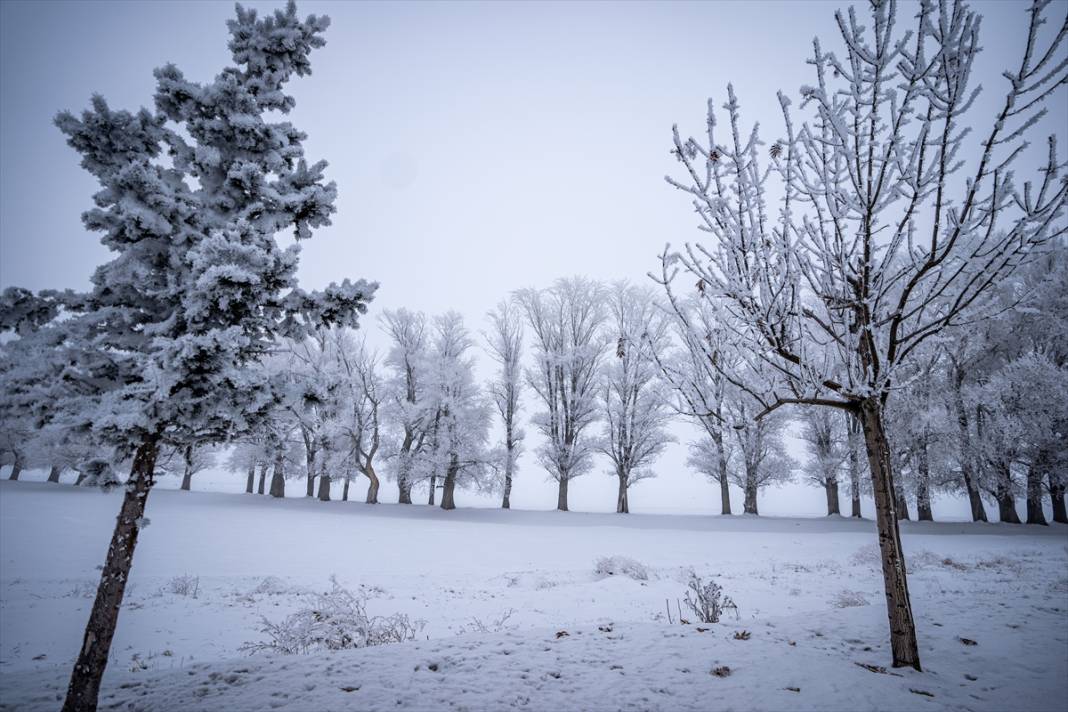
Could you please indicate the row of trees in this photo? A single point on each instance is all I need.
(611, 370)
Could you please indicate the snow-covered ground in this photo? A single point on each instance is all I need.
(991, 603)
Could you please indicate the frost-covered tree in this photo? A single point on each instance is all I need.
(891, 224)
(362, 424)
(761, 458)
(634, 398)
(406, 412)
(566, 322)
(823, 433)
(505, 344)
(192, 199)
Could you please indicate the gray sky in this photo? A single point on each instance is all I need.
(477, 147)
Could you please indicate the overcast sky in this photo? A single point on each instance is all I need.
(477, 148)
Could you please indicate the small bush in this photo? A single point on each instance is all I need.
(337, 620)
(493, 626)
(184, 585)
(706, 600)
(621, 566)
(849, 599)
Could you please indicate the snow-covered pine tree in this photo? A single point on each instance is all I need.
(193, 198)
(566, 323)
(891, 226)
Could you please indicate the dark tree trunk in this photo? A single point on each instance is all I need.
(345, 491)
(309, 461)
(966, 469)
(902, 505)
(903, 644)
(324, 487)
(1003, 495)
(263, 479)
(621, 497)
(1056, 496)
(749, 504)
(54, 472)
(278, 478)
(1035, 515)
(16, 468)
(832, 496)
(88, 671)
(561, 495)
(187, 481)
(250, 481)
(724, 482)
(853, 429)
(433, 489)
(923, 487)
(372, 485)
(404, 489)
(187, 474)
(80, 479)
(448, 491)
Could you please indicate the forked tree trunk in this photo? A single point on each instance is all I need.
(324, 487)
(88, 671)
(448, 491)
(263, 479)
(561, 495)
(433, 489)
(831, 486)
(53, 473)
(1035, 515)
(372, 485)
(250, 481)
(898, 605)
(621, 497)
(278, 478)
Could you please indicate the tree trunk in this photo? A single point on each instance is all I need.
(724, 482)
(831, 486)
(749, 504)
(324, 487)
(506, 501)
(345, 490)
(263, 478)
(1035, 515)
(372, 485)
(621, 497)
(278, 478)
(1003, 495)
(902, 505)
(561, 496)
(187, 474)
(88, 671)
(53, 473)
(966, 470)
(187, 480)
(250, 481)
(448, 491)
(81, 478)
(898, 605)
(923, 487)
(16, 467)
(404, 492)
(309, 461)
(853, 429)
(1056, 496)
(433, 489)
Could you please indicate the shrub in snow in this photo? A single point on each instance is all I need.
(849, 599)
(495, 625)
(336, 620)
(184, 585)
(621, 566)
(706, 600)
(271, 586)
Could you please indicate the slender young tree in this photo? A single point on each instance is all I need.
(505, 344)
(633, 397)
(891, 227)
(822, 432)
(192, 198)
(407, 411)
(566, 329)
